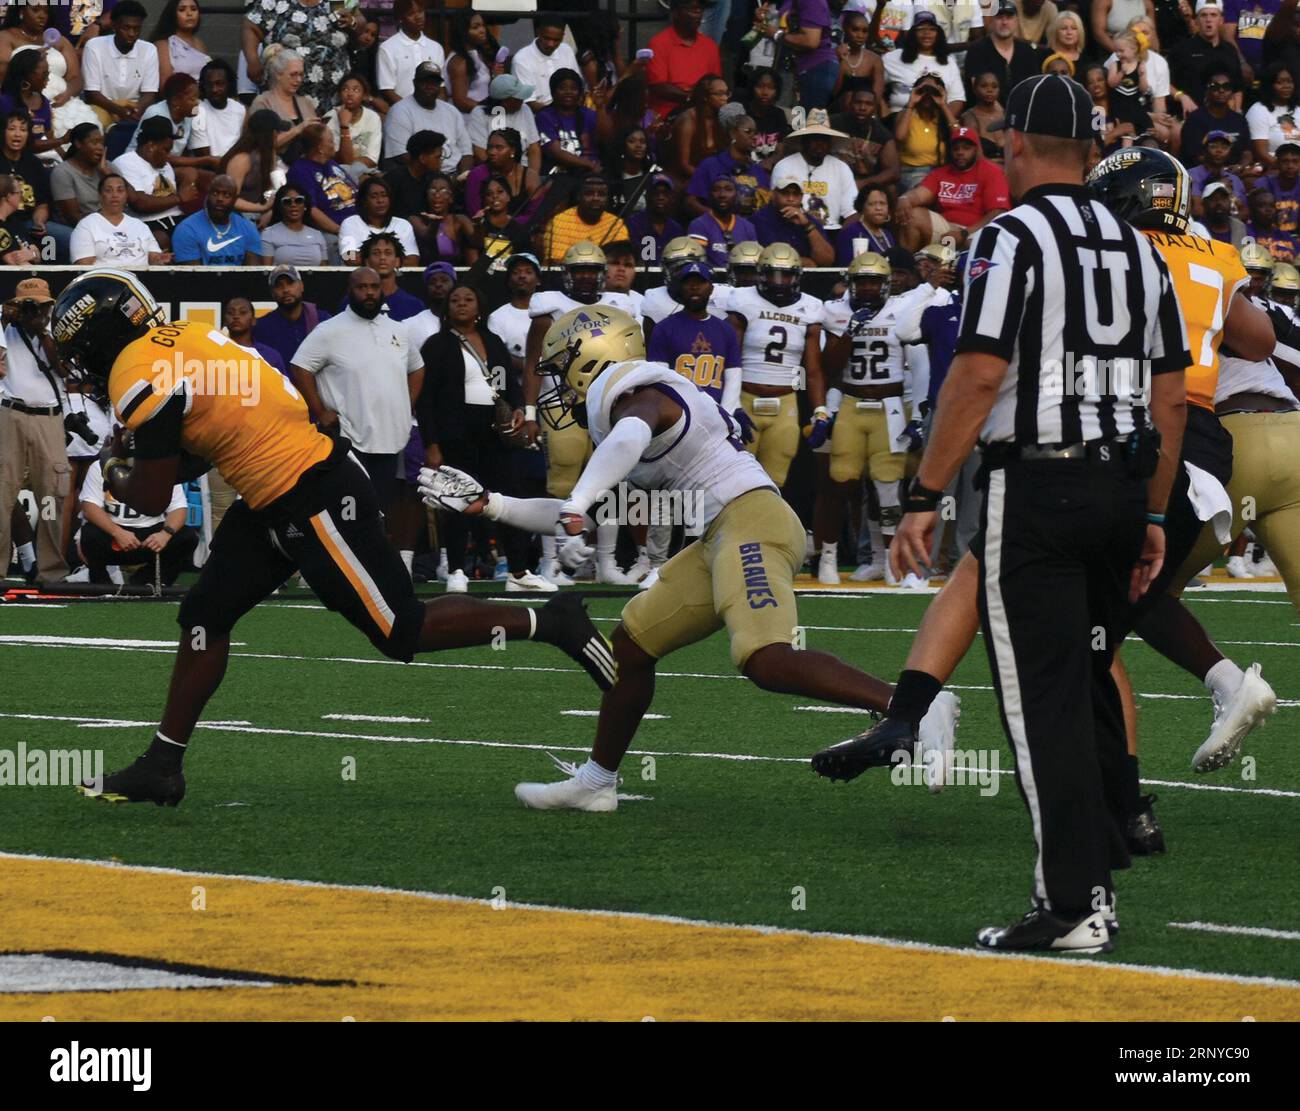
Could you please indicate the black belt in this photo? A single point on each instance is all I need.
(1095, 451)
(1270, 412)
(30, 410)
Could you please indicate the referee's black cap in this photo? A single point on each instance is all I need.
(1050, 104)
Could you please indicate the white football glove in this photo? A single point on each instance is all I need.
(450, 489)
(574, 552)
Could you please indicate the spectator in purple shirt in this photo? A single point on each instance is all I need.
(783, 220)
(700, 347)
(652, 227)
(330, 191)
(567, 130)
(1262, 227)
(736, 162)
(817, 67)
(720, 228)
(238, 319)
(286, 326)
(1284, 184)
(1215, 152)
(1245, 22)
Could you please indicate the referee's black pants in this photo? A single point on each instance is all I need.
(1056, 547)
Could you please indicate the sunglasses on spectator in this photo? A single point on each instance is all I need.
(293, 200)
(1219, 85)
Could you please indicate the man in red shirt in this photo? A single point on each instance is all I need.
(955, 199)
(682, 55)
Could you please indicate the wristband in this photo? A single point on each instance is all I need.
(168, 530)
(1156, 519)
(921, 499)
(530, 413)
(821, 413)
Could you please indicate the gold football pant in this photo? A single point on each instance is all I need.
(739, 576)
(860, 442)
(567, 452)
(1265, 494)
(776, 432)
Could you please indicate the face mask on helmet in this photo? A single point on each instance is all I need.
(781, 287)
(558, 404)
(742, 277)
(869, 291)
(583, 282)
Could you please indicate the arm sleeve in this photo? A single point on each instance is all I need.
(999, 280)
(918, 363)
(160, 436)
(529, 514)
(618, 453)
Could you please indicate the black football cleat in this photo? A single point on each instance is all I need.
(142, 781)
(565, 623)
(1144, 835)
(1041, 929)
(873, 749)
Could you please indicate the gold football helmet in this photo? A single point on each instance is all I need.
(578, 348)
(1286, 285)
(1258, 262)
(868, 280)
(582, 271)
(742, 263)
(780, 270)
(680, 251)
(943, 254)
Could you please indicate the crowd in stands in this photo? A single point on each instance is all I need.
(834, 126)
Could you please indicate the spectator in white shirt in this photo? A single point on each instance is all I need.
(404, 50)
(924, 50)
(535, 63)
(110, 237)
(828, 184)
(423, 111)
(375, 214)
(358, 131)
(360, 376)
(219, 120)
(152, 193)
(116, 534)
(119, 71)
(506, 107)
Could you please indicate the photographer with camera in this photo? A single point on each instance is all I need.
(921, 130)
(33, 446)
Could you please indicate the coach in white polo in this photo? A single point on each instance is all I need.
(360, 377)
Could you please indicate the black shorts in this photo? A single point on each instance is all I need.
(329, 528)
(1208, 445)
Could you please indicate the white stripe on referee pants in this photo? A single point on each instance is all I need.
(1005, 657)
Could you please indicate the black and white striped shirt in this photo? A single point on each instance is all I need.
(1083, 309)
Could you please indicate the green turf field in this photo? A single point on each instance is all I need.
(734, 821)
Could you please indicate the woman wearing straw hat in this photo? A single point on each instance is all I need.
(829, 187)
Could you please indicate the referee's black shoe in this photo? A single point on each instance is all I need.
(1144, 835)
(873, 749)
(143, 781)
(1041, 929)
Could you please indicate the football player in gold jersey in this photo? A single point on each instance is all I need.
(191, 399)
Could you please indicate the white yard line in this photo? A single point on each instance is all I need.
(1243, 931)
(376, 717)
(1101, 968)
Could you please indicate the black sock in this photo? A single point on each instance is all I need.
(915, 691)
(165, 754)
(1132, 786)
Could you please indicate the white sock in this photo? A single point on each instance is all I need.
(643, 552)
(532, 623)
(548, 548)
(442, 561)
(829, 549)
(594, 776)
(1223, 679)
(606, 540)
(27, 555)
(408, 557)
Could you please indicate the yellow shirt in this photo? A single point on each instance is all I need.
(241, 414)
(1206, 274)
(921, 146)
(567, 229)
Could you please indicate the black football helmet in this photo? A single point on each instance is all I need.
(97, 315)
(1146, 187)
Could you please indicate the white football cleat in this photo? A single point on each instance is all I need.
(649, 580)
(608, 572)
(530, 581)
(1245, 708)
(1238, 569)
(937, 733)
(457, 583)
(868, 573)
(913, 581)
(640, 569)
(553, 573)
(567, 794)
(1264, 567)
(828, 571)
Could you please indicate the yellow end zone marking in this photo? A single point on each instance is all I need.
(422, 956)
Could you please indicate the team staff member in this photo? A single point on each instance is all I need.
(1076, 487)
(701, 347)
(306, 505)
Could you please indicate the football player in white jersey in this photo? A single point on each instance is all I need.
(780, 348)
(661, 301)
(582, 277)
(1286, 287)
(652, 430)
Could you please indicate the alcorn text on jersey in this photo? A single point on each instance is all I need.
(772, 351)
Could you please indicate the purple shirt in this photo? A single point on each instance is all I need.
(277, 331)
(328, 187)
(639, 230)
(769, 228)
(271, 355)
(723, 164)
(1200, 176)
(1252, 18)
(575, 133)
(699, 350)
(42, 118)
(1281, 245)
(845, 252)
(719, 242)
(1288, 203)
(811, 13)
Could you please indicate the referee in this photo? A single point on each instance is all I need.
(1075, 489)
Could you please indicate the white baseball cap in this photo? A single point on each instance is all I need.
(1203, 4)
